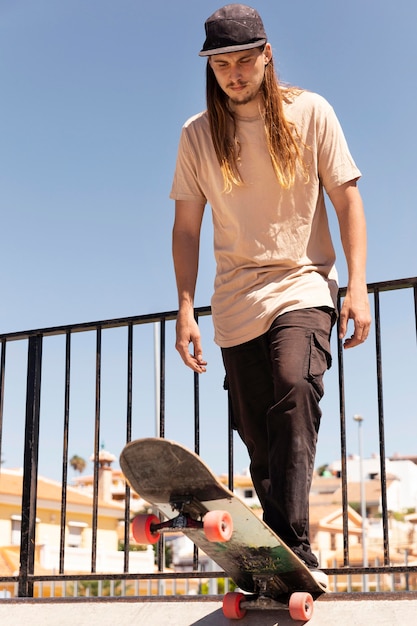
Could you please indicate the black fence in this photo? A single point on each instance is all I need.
(103, 378)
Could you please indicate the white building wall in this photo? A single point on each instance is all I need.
(402, 494)
(79, 560)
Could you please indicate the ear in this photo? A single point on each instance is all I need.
(267, 52)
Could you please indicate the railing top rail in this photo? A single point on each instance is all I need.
(402, 283)
(103, 324)
(388, 285)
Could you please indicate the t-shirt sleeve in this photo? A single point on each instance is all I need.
(185, 185)
(335, 163)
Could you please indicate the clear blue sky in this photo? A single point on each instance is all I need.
(93, 96)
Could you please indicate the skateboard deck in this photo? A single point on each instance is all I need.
(176, 481)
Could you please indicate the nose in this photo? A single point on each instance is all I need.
(235, 73)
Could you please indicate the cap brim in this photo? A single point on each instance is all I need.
(243, 46)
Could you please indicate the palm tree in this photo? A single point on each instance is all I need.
(77, 463)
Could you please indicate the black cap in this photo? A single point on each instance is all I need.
(232, 28)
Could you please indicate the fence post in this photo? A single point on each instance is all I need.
(30, 467)
(2, 369)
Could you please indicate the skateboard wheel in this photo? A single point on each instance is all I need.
(231, 605)
(301, 606)
(141, 529)
(218, 526)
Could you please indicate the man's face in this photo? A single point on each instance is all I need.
(240, 74)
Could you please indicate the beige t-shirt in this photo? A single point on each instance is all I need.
(272, 246)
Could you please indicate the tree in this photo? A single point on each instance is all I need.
(77, 463)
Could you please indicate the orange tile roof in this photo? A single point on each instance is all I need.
(11, 482)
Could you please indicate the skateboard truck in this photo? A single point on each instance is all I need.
(217, 525)
(300, 604)
(180, 522)
(268, 596)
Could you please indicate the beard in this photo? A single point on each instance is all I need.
(244, 98)
(242, 101)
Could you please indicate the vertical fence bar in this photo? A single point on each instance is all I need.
(196, 445)
(2, 370)
(343, 442)
(230, 443)
(162, 380)
(157, 375)
(96, 451)
(128, 438)
(196, 413)
(415, 307)
(196, 405)
(30, 466)
(162, 348)
(65, 452)
(196, 381)
(381, 427)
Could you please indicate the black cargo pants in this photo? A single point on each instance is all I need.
(276, 383)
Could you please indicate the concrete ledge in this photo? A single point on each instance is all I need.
(359, 609)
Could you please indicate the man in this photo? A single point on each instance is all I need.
(261, 156)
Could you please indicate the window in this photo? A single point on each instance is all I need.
(75, 530)
(16, 529)
(16, 521)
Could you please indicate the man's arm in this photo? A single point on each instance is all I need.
(347, 202)
(185, 251)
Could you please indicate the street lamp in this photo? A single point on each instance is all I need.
(359, 420)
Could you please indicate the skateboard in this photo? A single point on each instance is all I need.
(191, 499)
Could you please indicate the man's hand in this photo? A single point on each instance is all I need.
(355, 307)
(188, 333)
(347, 201)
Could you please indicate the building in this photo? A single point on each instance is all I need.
(112, 483)
(401, 474)
(78, 529)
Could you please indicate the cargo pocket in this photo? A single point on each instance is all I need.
(320, 360)
(232, 422)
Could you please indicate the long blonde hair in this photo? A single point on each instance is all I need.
(282, 137)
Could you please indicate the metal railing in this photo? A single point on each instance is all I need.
(131, 358)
